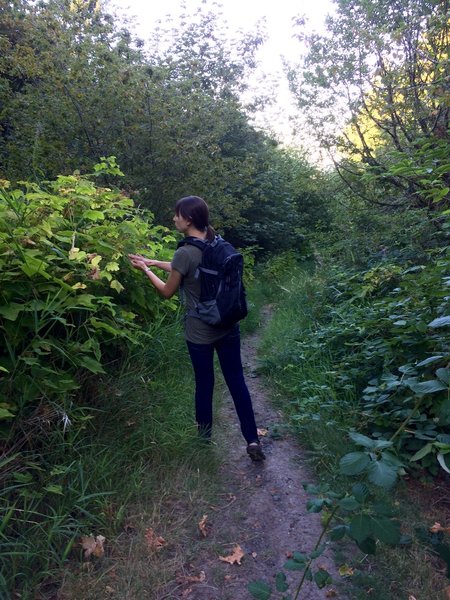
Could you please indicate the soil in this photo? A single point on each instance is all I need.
(263, 512)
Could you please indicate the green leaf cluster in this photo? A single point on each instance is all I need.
(71, 305)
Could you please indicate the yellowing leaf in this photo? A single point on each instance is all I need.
(79, 286)
(116, 285)
(202, 526)
(96, 260)
(345, 571)
(73, 253)
(438, 527)
(93, 546)
(235, 557)
(112, 266)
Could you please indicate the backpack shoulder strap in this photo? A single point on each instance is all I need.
(193, 241)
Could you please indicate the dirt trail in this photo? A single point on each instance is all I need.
(264, 507)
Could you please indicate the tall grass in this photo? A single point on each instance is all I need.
(140, 435)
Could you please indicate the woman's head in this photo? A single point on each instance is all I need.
(195, 210)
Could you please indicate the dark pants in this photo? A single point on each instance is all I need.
(228, 350)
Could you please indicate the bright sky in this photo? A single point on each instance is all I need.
(244, 14)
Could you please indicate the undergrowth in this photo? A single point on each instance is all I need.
(331, 337)
(136, 465)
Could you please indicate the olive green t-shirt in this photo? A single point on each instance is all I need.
(186, 260)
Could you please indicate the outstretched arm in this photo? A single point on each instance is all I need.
(150, 262)
(168, 288)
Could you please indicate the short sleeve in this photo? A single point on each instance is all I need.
(181, 261)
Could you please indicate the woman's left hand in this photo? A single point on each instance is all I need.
(138, 262)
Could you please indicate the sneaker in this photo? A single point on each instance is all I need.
(254, 450)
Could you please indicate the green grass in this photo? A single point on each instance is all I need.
(136, 458)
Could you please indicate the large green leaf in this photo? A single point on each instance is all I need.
(381, 473)
(91, 364)
(353, 463)
(422, 452)
(361, 440)
(426, 387)
(386, 530)
(360, 527)
(368, 545)
(260, 590)
(444, 376)
(440, 322)
(11, 311)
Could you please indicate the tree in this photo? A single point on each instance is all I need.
(385, 66)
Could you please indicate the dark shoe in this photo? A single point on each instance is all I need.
(254, 450)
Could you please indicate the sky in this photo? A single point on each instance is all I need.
(243, 15)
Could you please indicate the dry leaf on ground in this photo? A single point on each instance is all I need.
(262, 432)
(235, 557)
(202, 526)
(154, 542)
(346, 571)
(200, 578)
(93, 546)
(438, 527)
(331, 593)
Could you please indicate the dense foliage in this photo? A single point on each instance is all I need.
(359, 346)
(70, 303)
(76, 85)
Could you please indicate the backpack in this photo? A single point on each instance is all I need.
(222, 301)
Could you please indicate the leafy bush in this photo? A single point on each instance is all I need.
(70, 304)
(381, 333)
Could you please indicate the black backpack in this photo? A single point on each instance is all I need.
(222, 301)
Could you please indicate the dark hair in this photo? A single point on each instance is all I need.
(195, 210)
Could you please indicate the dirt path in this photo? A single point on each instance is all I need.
(263, 511)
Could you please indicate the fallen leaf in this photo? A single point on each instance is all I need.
(438, 527)
(235, 557)
(262, 432)
(109, 589)
(93, 546)
(154, 542)
(202, 526)
(254, 554)
(345, 571)
(331, 593)
(200, 578)
(187, 592)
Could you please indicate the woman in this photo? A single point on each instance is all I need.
(192, 219)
